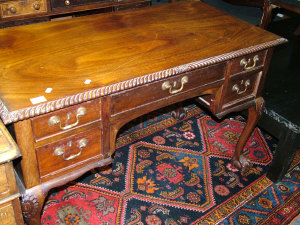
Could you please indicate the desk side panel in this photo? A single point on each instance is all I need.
(25, 142)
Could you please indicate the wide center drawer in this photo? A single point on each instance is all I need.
(66, 119)
(69, 152)
(58, 4)
(139, 96)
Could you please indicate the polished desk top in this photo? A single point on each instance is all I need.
(48, 66)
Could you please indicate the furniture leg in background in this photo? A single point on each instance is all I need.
(288, 135)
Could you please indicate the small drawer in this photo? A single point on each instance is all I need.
(168, 87)
(242, 87)
(10, 213)
(66, 119)
(21, 8)
(248, 62)
(8, 184)
(59, 4)
(69, 152)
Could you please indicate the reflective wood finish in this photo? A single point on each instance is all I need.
(115, 47)
(117, 67)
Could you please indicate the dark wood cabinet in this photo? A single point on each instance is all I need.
(21, 12)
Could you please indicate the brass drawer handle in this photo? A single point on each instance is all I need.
(13, 9)
(237, 89)
(36, 6)
(56, 120)
(244, 63)
(166, 85)
(61, 151)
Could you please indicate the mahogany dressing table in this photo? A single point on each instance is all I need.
(69, 86)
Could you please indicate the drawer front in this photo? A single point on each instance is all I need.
(66, 119)
(242, 87)
(7, 180)
(10, 213)
(20, 8)
(158, 90)
(127, 5)
(66, 153)
(58, 4)
(4, 186)
(7, 215)
(248, 62)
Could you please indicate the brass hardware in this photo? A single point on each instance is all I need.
(13, 9)
(237, 89)
(61, 151)
(67, 2)
(56, 120)
(244, 63)
(166, 85)
(36, 6)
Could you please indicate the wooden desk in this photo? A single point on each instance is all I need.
(69, 86)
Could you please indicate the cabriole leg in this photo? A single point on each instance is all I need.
(254, 113)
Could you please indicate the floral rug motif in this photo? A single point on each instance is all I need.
(179, 172)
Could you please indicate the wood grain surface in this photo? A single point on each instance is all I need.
(109, 48)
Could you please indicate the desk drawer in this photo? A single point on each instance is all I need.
(58, 4)
(20, 8)
(242, 87)
(8, 184)
(163, 89)
(248, 62)
(69, 152)
(10, 213)
(66, 119)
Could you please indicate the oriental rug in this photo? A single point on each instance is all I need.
(179, 172)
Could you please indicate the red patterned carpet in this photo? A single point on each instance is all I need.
(179, 172)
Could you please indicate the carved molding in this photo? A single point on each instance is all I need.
(30, 205)
(9, 117)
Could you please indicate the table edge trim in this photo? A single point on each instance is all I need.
(43, 108)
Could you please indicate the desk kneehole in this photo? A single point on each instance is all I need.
(175, 85)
